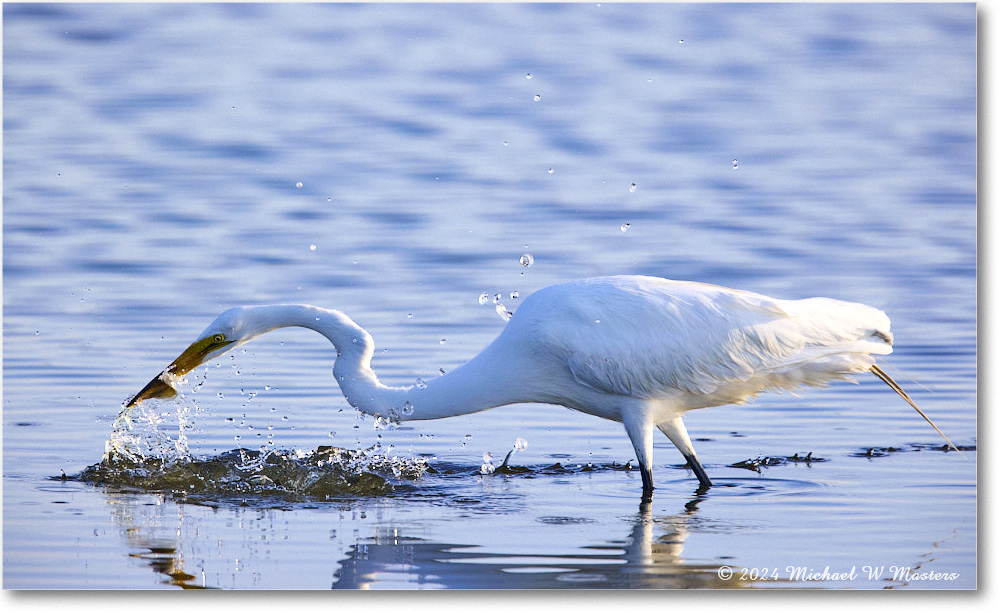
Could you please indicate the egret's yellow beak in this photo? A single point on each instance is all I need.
(162, 385)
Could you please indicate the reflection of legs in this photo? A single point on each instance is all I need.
(640, 430)
(677, 433)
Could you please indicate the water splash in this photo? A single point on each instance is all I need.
(487, 467)
(148, 450)
(504, 313)
(143, 432)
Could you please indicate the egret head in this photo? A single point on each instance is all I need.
(229, 330)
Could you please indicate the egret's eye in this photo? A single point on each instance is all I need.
(219, 338)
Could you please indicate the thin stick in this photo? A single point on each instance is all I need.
(902, 394)
(900, 371)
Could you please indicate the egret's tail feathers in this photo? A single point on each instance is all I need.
(881, 374)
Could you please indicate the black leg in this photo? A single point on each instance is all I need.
(698, 469)
(647, 478)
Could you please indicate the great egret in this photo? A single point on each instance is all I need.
(637, 350)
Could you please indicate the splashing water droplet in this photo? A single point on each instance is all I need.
(407, 408)
(312, 247)
(443, 341)
(632, 187)
(487, 468)
(537, 97)
(484, 298)
(551, 170)
(520, 444)
(514, 295)
(503, 312)
(527, 76)
(626, 226)
(421, 384)
(736, 164)
(299, 185)
(527, 260)
(332, 434)
(496, 298)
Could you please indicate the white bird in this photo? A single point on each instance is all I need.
(637, 350)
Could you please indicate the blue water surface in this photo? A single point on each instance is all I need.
(164, 162)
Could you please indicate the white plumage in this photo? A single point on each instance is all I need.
(638, 350)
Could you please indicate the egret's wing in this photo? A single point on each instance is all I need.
(644, 337)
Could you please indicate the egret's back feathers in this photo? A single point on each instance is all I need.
(652, 338)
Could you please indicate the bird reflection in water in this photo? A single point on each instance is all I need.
(146, 537)
(649, 557)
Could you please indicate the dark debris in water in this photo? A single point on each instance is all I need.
(881, 452)
(767, 461)
(507, 469)
(327, 472)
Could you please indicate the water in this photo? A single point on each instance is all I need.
(165, 162)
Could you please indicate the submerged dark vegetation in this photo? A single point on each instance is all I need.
(334, 473)
(327, 472)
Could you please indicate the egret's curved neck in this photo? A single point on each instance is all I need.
(480, 384)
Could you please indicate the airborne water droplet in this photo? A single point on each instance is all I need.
(626, 226)
(514, 295)
(421, 384)
(484, 298)
(503, 312)
(520, 444)
(527, 260)
(631, 187)
(299, 185)
(527, 76)
(487, 468)
(407, 408)
(538, 97)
